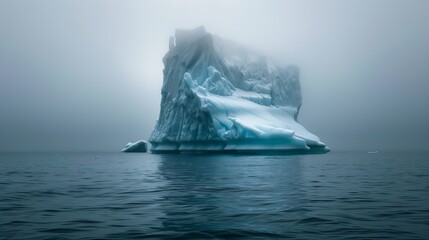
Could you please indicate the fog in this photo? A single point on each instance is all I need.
(86, 75)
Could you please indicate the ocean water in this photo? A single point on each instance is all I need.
(142, 195)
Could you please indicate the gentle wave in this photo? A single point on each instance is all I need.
(134, 196)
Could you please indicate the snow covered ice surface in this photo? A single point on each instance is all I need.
(139, 146)
(219, 96)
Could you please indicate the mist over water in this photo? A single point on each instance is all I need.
(86, 75)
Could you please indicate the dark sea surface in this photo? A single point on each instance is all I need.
(142, 195)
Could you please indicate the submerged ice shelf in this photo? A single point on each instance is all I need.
(218, 96)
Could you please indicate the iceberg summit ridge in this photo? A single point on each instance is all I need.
(218, 96)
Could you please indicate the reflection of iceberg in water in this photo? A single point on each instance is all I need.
(223, 195)
(219, 96)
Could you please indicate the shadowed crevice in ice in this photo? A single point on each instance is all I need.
(218, 96)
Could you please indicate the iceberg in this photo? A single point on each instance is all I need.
(139, 146)
(220, 97)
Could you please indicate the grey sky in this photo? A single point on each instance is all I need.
(86, 75)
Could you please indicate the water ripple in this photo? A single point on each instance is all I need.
(135, 196)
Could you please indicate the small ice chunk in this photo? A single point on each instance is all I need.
(372, 152)
(139, 146)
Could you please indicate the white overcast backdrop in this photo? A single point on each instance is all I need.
(86, 75)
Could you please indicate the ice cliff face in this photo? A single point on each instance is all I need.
(218, 96)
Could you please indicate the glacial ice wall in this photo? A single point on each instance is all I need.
(218, 96)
